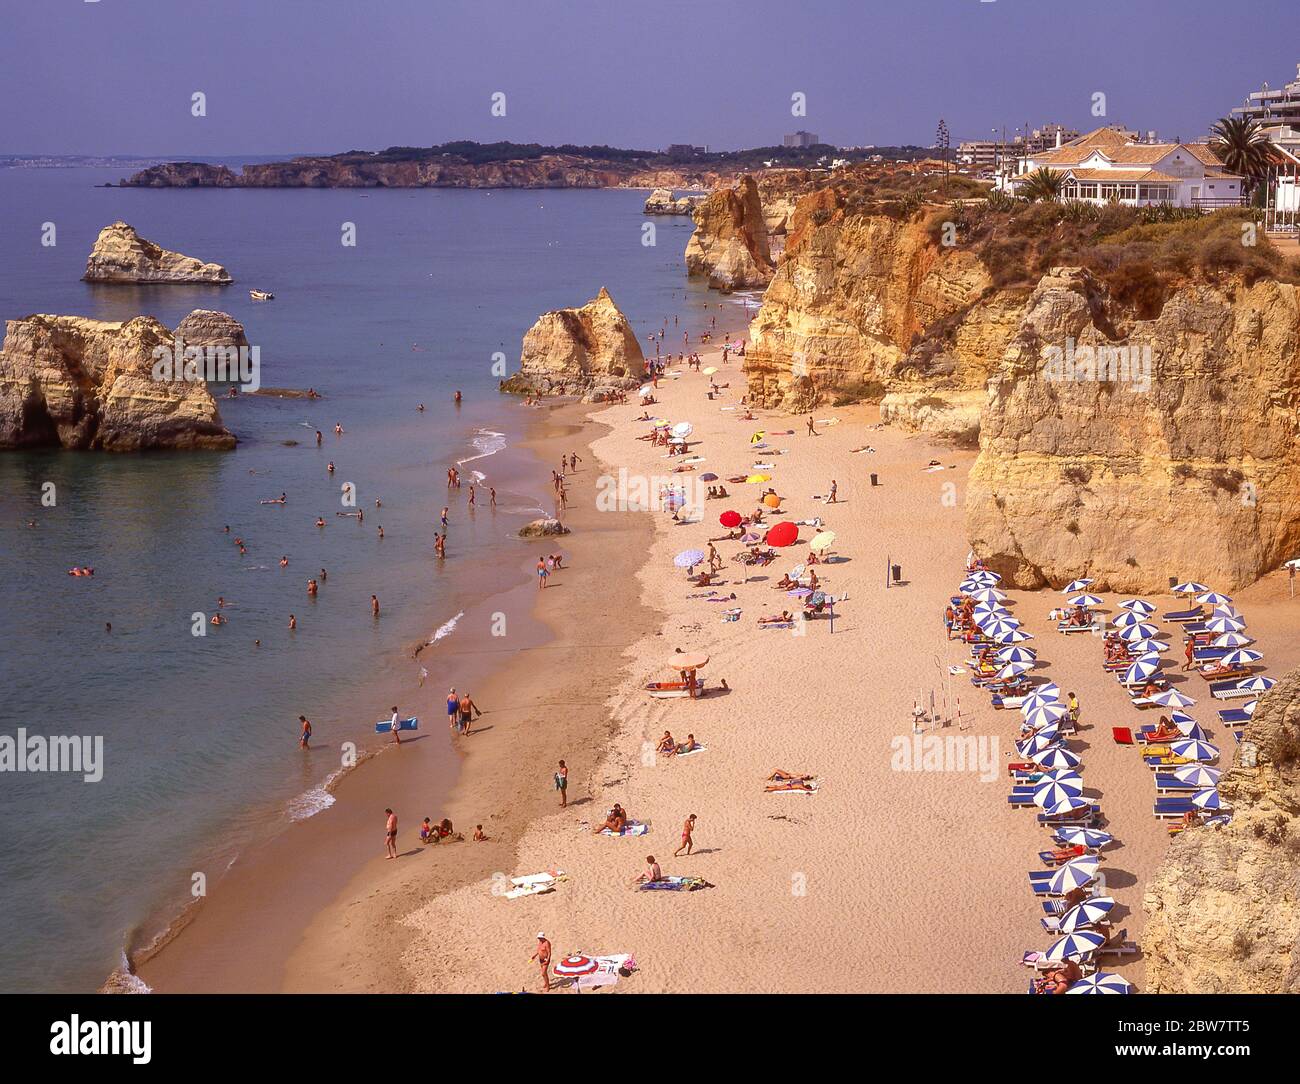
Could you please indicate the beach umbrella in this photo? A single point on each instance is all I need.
(1056, 757)
(1194, 749)
(647, 389)
(683, 430)
(1043, 714)
(982, 594)
(750, 537)
(1014, 636)
(997, 627)
(1190, 588)
(1249, 707)
(989, 610)
(1187, 726)
(1207, 799)
(577, 964)
(1040, 694)
(1233, 639)
(1127, 619)
(758, 479)
(730, 518)
(1172, 698)
(1225, 624)
(1085, 600)
(1213, 598)
(1088, 913)
(1051, 730)
(1051, 794)
(800, 592)
(772, 500)
(688, 558)
(1072, 806)
(1137, 606)
(1148, 647)
(1240, 657)
(1142, 631)
(689, 660)
(1141, 670)
(822, 540)
(983, 576)
(757, 438)
(1198, 775)
(710, 370)
(1089, 837)
(1017, 654)
(1075, 585)
(1074, 874)
(1228, 611)
(783, 534)
(1034, 744)
(708, 476)
(1257, 684)
(1013, 670)
(797, 571)
(1103, 982)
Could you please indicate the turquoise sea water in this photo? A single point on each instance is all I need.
(200, 731)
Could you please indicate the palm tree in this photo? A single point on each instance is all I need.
(1042, 184)
(1242, 147)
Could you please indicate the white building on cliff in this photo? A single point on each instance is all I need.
(1108, 165)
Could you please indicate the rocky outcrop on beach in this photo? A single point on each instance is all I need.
(1222, 911)
(207, 327)
(1133, 450)
(661, 202)
(88, 384)
(730, 245)
(122, 255)
(543, 528)
(849, 311)
(952, 416)
(569, 351)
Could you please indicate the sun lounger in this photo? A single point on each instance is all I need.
(1021, 799)
(1230, 690)
(1224, 674)
(1040, 882)
(1118, 945)
(1122, 735)
(1234, 717)
(674, 884)
(1067, 628)
(1076, 850)
(1086, 820)
(1170, 808)
(1000, 701)
(1167, 784)
(1197, 628)
(1183, 617)
(1147, 735)
(1209, 654)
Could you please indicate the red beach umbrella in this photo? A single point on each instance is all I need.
(577, 964)
(782, 534)
(730, 518)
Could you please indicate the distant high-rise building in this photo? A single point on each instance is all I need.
(686, 148)
(1277, 112)
(801, 139)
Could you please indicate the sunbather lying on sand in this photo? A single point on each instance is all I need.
(780, 776)
(782, 618)
(797, 785)
(1059, 979)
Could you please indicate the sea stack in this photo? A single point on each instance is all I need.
(729, 246)
(208, 327)
(121, 255)
(589, 350)
(87, 384)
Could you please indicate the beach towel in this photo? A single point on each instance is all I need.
(540, 888)
(674, 884)
(632, 828)
(955, 670)
(691, 752)
(608, 970)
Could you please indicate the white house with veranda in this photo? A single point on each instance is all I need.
(1107, 165)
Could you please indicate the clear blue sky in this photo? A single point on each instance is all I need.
(116, 76)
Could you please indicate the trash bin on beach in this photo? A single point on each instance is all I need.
(874, 480)
(897, 572)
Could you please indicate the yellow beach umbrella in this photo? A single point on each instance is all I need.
(755, 479)
(757, 437)
(710, 370)
(822, 540)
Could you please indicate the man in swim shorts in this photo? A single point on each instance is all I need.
(390, 834)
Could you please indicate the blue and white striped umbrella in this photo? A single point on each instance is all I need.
(1073, 805)
(1142, 670)
(1249, 706)
(966, 587)
(987, 611)
(1190, 588)
(1207, 799)
(1233, 639)
(1225, 624)
(983, 576)
(1213, 598)
(1197, 775)
(1051, 730)
(1074, 946)
(1074, 874)
(1075, 585)
(1052, 793)
(1035, 743)
(1141, 630)
(1103, 982)
(1241, 657)
(1085, 914)
(1014, 636)
(1089, 837)
(988, 594)
(1172, 698)
(1148, 647)
(1041, 694)
(1189, 727)
(1056, 757)
(1085, 600)
(1014, 670)
(1195, 749)
(1137, 606)
(996, 627)
(1044, 714)
(1257, 684)
(1228, 611)
(1017, 654)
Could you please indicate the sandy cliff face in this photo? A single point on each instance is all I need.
(88, 384)
(730, 246)
(571, 351)
(1184, 460)
(853, 295)
(1222, 912)
(122, 255)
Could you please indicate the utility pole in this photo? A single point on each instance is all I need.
(942, 142)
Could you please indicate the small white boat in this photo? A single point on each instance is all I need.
(261, 295)
(664, 690)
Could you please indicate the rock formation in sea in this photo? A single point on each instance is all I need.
(730, 246)
(122, 255)
(208, 327)
(590, 350)
(1180, 457)
(89, 384)
(543, 528)
(1223, 909)
(661, 202)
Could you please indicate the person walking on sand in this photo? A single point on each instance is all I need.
(304, 740)
(453, 707)
(562, 784)
(687, 828)
(1190, 654)
(394, 726)
(390, 834)
(466, 706)
(492, 497)
(812, 429)
(542, 573)
(830, 498)
(543, 958)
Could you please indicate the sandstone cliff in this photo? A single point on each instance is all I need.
(730, 245)
(88, 384)
(661, 202)
(206, 327)
(1181, 457)
(1223, 910)
(122, 255)
(572, 351)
